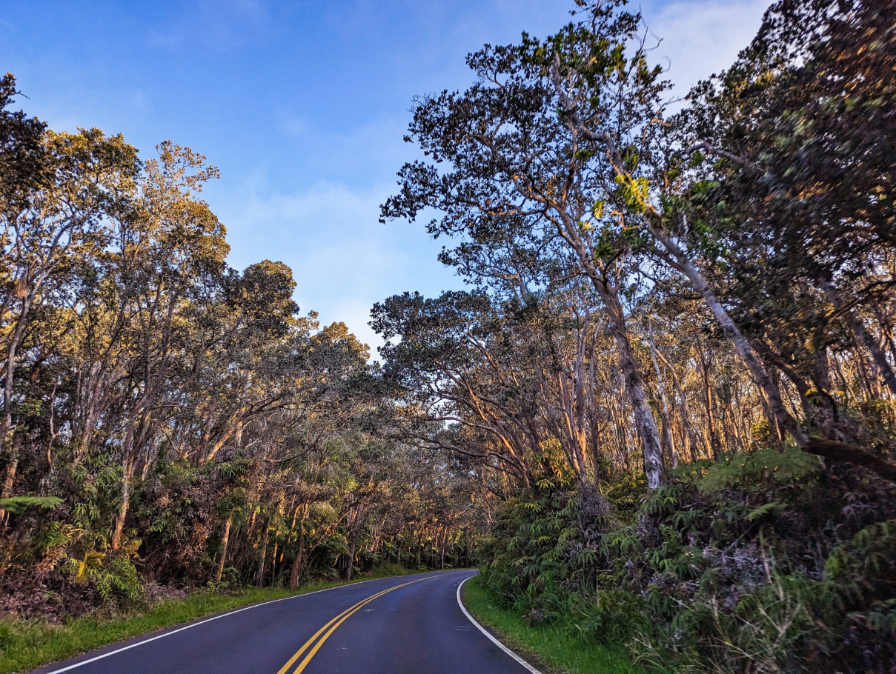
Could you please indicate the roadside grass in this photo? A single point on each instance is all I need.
(552, 648)
(26, 644)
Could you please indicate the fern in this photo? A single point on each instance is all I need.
(788, 467)
(763, 510)
(19, 504)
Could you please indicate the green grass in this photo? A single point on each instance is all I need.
(552, 648)
(26, 644)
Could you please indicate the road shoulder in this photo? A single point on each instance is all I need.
(552, 648)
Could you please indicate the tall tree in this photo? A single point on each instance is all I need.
(500, 155)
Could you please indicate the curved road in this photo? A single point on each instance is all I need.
(404, 624)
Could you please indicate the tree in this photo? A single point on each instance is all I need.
(58, 225)
(795, 202)
(22, 152)
(501, 155)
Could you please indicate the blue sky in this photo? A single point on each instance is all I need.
(303, 106)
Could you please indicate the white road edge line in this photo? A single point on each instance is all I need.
(208, 620)
(497, 643)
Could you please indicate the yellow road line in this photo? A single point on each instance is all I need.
(342, 617)
(295, 657)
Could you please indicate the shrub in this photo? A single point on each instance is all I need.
(757, 562)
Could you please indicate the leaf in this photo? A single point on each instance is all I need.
(19, 504)
(763, 510)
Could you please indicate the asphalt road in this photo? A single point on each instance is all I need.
(391, 625)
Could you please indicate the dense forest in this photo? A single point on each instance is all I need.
(169, 420)
(663, 412)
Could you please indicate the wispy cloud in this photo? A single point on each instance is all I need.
(218, 25)
(362, 154)
(293, 125)
(343, 259)
(703, 37)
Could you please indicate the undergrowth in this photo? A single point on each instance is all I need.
(759, 562)
(556, 647)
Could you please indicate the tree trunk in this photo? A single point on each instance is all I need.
(668, 442)
(863, 336)
(685, 415)
(297, 562)
(9, 480)
(6, 425)
(224, 541)
(122, 511)
(714, 445)
(886, 327)
(818, 406)
(823, 404)
(9, 371)
(733, 333)
(654, 469)
(770, 418)
(840, 451)
(351, 560)
(259, 576)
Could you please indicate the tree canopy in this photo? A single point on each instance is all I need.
(663, 408)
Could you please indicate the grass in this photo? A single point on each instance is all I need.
(552, 648)
(26, 644)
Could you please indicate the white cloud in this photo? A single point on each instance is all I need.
(703, 37)
(373, 148)
(343, 259)
(319, 221)
(220, 25)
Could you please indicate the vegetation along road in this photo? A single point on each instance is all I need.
(656, 406)
(388, 625)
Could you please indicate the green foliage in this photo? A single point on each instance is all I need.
(792, 466)
(168, 418)
(860, 579)
(566, 645)
(116, 581)
(737, 565)
(18, 504)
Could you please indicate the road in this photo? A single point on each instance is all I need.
(390, 625)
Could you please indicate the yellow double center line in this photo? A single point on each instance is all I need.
(330, 627)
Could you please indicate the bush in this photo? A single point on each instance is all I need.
(757, 562)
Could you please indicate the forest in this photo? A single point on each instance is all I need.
(662, 414)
